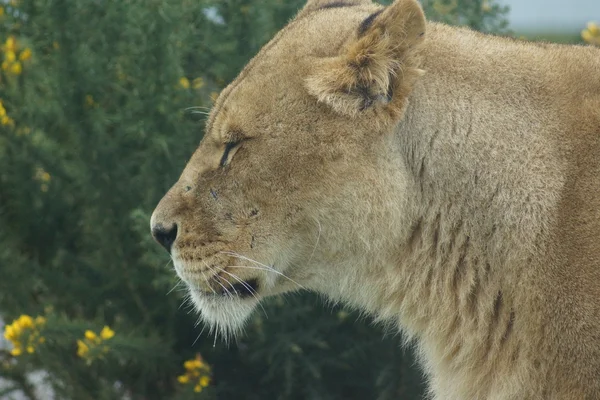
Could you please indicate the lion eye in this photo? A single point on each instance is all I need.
(228, 147)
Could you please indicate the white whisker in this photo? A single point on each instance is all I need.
(316, 243)
(229, 294)
(208, 283)
(248, 287)
(174, 287)
(269, 270)
(197, 108)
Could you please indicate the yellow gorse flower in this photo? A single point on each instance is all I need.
(90, 102)
(106, 333)
(197, 373)
(4, 118)
(184, 82)
(11, 62)
(25, 54)
(198, 83)
(591, 34)
(92, 346)
(82, 348)
(42, 176)
(16, 68)
(24, 334)
(90, 335)
(10, 44)
(10, 56)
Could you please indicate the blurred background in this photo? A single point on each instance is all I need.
(95, 126)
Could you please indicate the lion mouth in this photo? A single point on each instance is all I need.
(244, 289)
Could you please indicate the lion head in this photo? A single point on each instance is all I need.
(296, 181)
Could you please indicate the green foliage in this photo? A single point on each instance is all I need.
(95, 129)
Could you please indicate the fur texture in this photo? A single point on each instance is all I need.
(440, 179)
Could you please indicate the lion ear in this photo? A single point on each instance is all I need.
(378, 67)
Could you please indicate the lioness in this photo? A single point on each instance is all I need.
(433, 176)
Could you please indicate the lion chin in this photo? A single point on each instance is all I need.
(225, 314)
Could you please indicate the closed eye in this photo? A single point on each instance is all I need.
(228, 147)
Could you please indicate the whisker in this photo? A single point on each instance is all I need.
(208, 283)
(197, 108)
(270, 270)
(174, 287)
(219, 283)
(185, 300)
(200, 334)
(316, 243)
(237, 255)
(250, 289)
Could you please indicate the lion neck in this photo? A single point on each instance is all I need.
(479, 220)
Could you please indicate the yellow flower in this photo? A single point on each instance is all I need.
(485, 6)
(6, 120)
(55, 45)
(25, 54)
(204, 381)
(10, 56)
(107, 333)
(89, 100)
(1, 11)
(10, 44)
(197, 388)
(5, 65)
(27, 326)
(591, 35)
(42, 340)
(82, 348)
(184, 82)
(342, 315)
(43, 176)
(197, 83)
(183, 379)
(44, 187)
(25, 321)
(90, 335)
(9, 333)
(191, 365)
(16, 68)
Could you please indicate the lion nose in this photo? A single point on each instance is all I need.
(165, 236)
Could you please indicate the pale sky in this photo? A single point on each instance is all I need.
(552, 15)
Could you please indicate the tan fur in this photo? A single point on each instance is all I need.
(462, 203)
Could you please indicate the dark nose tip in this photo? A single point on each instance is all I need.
(165, 236)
